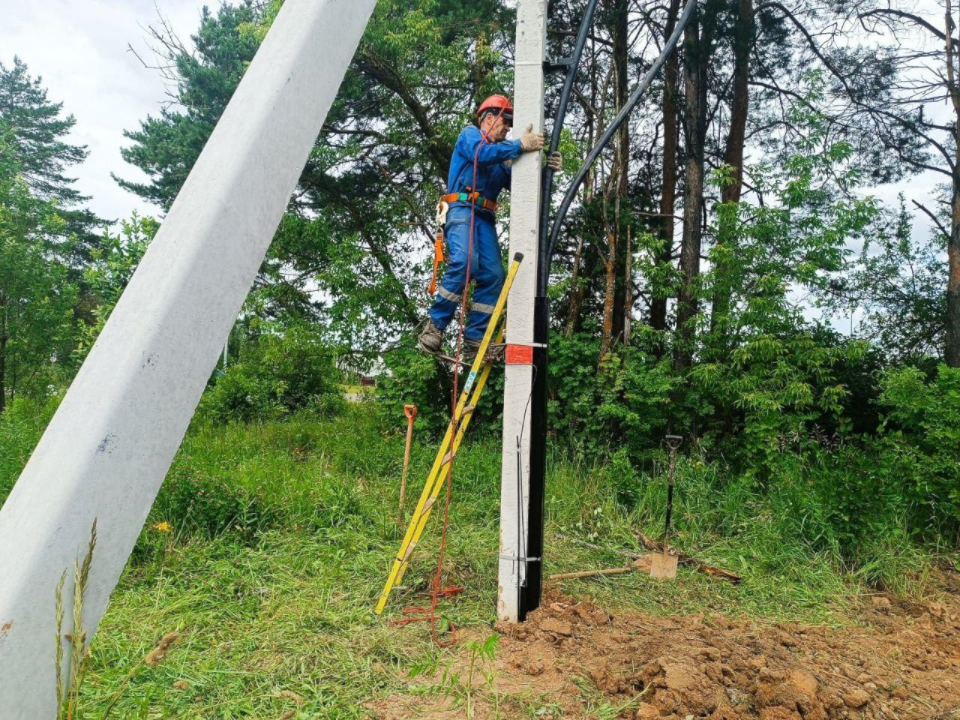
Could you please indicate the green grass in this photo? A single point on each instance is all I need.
(282, 535)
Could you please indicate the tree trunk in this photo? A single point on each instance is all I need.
(696, 57)
(621, 39)
(952, 350)
(628, 291)
(743, 40)
(606, 339)
(668, 192)
(951, 355)
(576, 292)
(578, 288)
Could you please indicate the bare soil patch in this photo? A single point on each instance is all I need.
(573, 659)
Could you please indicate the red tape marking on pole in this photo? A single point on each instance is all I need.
(519, 355)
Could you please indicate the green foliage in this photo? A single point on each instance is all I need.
(624, 403)
(920, 443)
(896, 289)
(210, 507)
(279, 372)
(21, 426)
(415, 378)
(419, 379)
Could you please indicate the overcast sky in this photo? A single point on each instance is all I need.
(80, 51)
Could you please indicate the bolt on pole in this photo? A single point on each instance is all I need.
(519, 568)
(110, 444)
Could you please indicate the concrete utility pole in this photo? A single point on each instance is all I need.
(108, 448)
(520, 572)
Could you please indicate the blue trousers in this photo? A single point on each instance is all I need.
(486, 269)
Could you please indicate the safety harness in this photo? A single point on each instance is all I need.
(469, 197)
(440, 254)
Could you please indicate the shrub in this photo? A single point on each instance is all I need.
(920, 442)
(419, 379)
(194, 503)
(276, 374)
(621, 405)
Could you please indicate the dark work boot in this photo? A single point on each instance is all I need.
(431, 339)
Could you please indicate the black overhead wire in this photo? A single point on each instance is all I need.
(549, 246)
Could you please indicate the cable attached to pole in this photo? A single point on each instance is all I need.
(632, 101)
(531, 594)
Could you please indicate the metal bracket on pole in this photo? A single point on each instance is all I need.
(110, 444)
(555, 66)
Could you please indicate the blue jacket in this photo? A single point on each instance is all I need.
(492, 175)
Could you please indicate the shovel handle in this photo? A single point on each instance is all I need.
(666, 531)
(674, 444)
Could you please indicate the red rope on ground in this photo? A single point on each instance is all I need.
(414, 614)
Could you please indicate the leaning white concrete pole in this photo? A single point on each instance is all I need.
(524, 234)
(106, 451)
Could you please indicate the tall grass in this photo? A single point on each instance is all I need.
(269, 544)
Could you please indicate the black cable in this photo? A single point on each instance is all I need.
(624, 113)
(573, 63)
(521, 528)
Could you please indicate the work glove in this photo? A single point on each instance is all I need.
(531, 141)
(555, 161)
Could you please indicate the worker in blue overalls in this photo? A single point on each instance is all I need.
(479, 170)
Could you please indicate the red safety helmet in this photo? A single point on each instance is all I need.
(496, 103)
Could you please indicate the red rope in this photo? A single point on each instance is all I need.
(414, 614)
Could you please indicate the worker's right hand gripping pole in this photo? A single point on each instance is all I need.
(515, 563)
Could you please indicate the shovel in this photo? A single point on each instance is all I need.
(410, 411)
(664, 565)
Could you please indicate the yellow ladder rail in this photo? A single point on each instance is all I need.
(441, 475)
(463, 412)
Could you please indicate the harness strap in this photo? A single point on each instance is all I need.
(474, 198)
(439, 245)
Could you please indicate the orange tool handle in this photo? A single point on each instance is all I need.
(410, 411)
(439, 255)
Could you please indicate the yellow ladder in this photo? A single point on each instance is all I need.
(466, 404)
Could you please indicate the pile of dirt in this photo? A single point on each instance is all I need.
(901, 662)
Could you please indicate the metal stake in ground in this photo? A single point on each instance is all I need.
(664, 567)
(410, 411)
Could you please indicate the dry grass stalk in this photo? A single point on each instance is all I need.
(58, 655)
(152, 659)
(68, 688)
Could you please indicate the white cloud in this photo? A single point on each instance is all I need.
(80, 50)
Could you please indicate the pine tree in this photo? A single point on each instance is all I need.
(37, 295)
(37, 133)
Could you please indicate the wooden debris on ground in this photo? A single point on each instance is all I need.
(643, 562)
